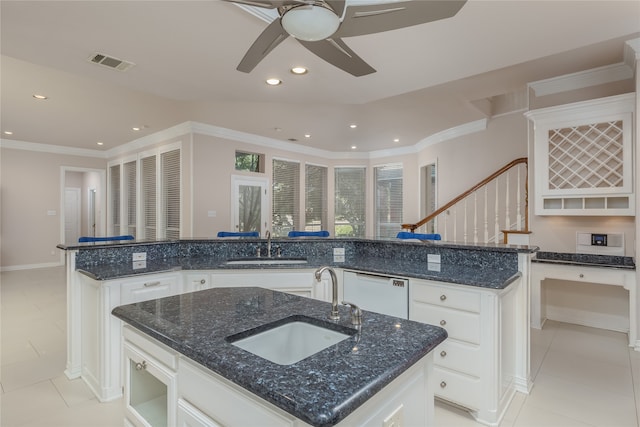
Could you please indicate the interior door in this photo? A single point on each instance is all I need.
(71, 215)
(249, 201)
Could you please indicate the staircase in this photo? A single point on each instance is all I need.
(495, 210)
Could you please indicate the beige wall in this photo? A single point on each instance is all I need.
(30, 185)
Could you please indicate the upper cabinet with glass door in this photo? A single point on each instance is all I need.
(583, 155)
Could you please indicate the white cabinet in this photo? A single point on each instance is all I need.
(197, 281)
(146, 288)
(583, 155)
(297, 282)
(99, 340)
(150, 381)
(475, 365)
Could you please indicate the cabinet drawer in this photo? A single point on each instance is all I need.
(149, 288)
(159, 351)
(460, 325)
(458, 388)
(445, 296)
(459, 356)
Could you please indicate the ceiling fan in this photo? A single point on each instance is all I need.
(320, 25)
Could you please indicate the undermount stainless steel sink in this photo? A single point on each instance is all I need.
(291, 342)
(266, 261)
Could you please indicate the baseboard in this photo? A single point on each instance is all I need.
(600, 322)
(31, 266)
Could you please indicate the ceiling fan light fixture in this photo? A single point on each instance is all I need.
(310, 22)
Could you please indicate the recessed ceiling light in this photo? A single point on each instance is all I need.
(38, 96)
(273, 82)
(136, 128)
(353, 147)
(299, 70)
(396, 140)
(307, 135)
(100, 143)
(8, 132)
(353, 126)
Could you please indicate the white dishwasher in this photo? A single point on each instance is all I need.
(378, 293)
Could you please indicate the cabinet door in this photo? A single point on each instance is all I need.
(150, 389)
(197, 281)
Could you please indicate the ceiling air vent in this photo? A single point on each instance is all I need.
(110, 62)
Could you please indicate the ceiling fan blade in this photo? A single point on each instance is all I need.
(377, 18)
(267, 4)
(336, 52)
(271, 37)
(337, 6)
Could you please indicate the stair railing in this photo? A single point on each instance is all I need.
(494, 200)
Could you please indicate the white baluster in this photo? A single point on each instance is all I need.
(518, 211)
(507, 219)
(475, 217)
(446, 216)
(455, 223)
(486, 216)
(496, 228)
(465, 220)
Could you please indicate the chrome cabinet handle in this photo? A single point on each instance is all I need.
(141, 365)
(202, 281)
(443, 322)
(151, 284)
(443, 353)
(443, 297)
(443, 384)
(581, 276)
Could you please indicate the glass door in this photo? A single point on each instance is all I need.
(250, 204)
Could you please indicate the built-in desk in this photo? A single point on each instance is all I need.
(597, 269)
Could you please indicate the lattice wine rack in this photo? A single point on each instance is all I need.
(583, 163)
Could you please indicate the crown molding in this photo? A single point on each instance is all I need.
(451, 133)
(582, 79)
(151, 139)
(53, 149)
(632, 52)
(189, 128)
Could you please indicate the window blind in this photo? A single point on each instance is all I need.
(114, 191)
(315, 215)
(170, 170)
(129, 187)
(286, 197)
(148, 197)
(350, 201)
(388, 203)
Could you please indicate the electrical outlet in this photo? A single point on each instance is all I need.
(139, 264)
(396, 419)
(139, 256)
(433, 258)
(338, 255)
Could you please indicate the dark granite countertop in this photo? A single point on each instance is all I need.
(322, 389)
(493, 278)
(589, 260)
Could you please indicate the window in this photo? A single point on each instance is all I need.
(148, 197)
(129, 199)
(350, 201)
(388, 203)
(114, 191)
(315, 215)
(252, 162)
(286, 197)
(170, 171)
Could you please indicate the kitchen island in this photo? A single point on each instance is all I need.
(381, 370)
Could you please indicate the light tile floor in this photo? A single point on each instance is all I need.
(583, 376)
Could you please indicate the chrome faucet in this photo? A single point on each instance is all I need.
(334, 290)
(267, 234)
